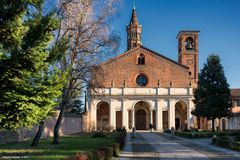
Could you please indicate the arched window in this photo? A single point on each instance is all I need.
(141, 59)
(189, 44)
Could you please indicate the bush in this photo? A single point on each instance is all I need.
(120, 135)
(120, 139)
(108, 153)
(116, 150)
(100, 153)
(235, 145)
(103, 153)
(206, 134)
(79, 156)
(224, 141)
(94, 156)
(99, 134)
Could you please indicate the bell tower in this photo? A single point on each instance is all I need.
(188, 53)
(134, 31)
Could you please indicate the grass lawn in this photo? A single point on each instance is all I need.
(67, 147)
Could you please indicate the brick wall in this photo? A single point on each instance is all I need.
(157, 69)
(70, 125)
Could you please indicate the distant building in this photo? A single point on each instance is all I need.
(233, 123)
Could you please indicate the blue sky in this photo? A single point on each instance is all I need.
(217, 20)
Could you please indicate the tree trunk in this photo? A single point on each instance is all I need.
(38, 135)
(213, 124)
(58, 125)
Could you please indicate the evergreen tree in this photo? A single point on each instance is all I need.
(29, 84)
(212, 97)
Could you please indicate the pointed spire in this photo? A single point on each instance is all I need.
(134, 31)
(134, 19)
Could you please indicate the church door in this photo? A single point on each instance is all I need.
(140, 120)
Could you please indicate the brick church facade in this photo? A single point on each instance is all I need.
(142, 87)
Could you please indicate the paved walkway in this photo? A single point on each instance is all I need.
(154, 146)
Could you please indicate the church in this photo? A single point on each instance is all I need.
(142, 87)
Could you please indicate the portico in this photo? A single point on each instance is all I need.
(137, 108)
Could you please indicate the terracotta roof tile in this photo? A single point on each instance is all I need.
(235, 92)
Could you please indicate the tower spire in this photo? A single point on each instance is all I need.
(134, 31)
(134, 19)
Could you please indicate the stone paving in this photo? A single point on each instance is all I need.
(155, 146)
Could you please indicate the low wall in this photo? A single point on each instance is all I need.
(70, 125)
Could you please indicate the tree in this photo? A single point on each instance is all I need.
(85, 24)
(29, 83)
(212, 97)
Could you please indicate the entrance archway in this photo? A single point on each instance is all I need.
(141, 115)
(180, 115)
(103, 115)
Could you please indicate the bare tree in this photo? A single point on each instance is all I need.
(85, 29)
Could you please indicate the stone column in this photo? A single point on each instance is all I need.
(125, 114)
(93, 119)
(171, 113)
(159, 116)
(151, 116)
(189, 115)
(112, 114)
(133, 118)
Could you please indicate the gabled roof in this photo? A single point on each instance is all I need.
(235, 92)
(130, 52)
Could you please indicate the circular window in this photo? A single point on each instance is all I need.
(141, 80)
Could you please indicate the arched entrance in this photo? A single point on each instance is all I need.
(141, 116)
(103, 116)
(180, 115)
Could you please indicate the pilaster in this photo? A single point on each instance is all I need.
(190, 118)
(125, 114)
(159, 116)
(112, 114)
(171, 113)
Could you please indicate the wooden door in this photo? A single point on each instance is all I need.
(140, 120)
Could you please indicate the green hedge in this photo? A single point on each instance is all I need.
(235, 145)
(105, 152)
(229, 142)
(206, 134)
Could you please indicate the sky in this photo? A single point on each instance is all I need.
(217, 20)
